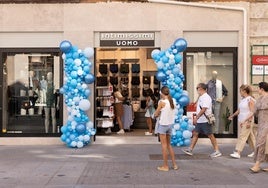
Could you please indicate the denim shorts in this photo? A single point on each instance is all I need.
(203, 128)
(164, 129)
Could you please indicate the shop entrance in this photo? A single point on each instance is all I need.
(132, 71)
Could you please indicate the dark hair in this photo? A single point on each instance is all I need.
(203, 86)
(115, 88)
(246, 88)
(264, 86)
(165, 91)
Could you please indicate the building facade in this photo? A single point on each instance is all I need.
(220, 37)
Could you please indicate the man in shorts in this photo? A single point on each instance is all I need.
(204, 106)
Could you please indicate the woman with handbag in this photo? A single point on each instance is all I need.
(245, 121)
(261, 109)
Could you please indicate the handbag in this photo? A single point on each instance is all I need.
(256, 119)
(211, 118)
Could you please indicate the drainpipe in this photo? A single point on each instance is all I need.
(245, 24)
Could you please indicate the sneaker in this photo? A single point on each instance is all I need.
(108, 131)
(235, 155)
(121, 131)
(216, 154)
(188, 151)
(251, 155)
(148, 134)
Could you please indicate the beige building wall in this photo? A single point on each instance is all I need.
(46, 25)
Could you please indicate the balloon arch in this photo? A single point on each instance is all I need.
(77, 68)
(169, 73)
(76, 133)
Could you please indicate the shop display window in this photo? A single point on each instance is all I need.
(31, 99)
(217, 67)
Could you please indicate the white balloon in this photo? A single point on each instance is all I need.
(88, 52)
(84, 104)
(90, 124)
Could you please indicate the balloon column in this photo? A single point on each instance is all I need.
(170, 74)
(77, 68)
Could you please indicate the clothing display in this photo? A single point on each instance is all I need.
(127, 118)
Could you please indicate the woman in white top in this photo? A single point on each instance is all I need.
(245, 121)
(166, 113)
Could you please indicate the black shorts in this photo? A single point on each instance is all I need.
(203, 128)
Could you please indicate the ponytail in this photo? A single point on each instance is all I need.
(165, 91)
(171, 102)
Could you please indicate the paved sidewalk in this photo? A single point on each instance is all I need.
(123, 162)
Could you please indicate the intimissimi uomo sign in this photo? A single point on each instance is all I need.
(129, 39)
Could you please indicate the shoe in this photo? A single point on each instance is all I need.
(148, 134)
(121, 131)
(235, 155)
(175, 167)
(188, 151)
(108, 131)
(216, 154)
(161, 168)
(265, 169)
(251, 155)
(255, 170)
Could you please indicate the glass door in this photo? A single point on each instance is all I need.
(216, 67)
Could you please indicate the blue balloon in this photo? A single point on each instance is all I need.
(184, 100)
(80, 128)
(65, 46)
(180, 44)
(89, 78)
(160, 76)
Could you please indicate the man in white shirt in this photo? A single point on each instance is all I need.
(203, 108)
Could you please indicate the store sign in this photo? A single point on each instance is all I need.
(257, 69)
(129, 39)
(260, 59)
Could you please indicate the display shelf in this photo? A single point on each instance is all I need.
(104, 106)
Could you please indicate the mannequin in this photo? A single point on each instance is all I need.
(217, 92)
(42, 94)
(51, 104)
(33, 81)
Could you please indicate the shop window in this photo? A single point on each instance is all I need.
(30, 93)
(217, 67)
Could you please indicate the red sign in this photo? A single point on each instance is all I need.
(260, 59)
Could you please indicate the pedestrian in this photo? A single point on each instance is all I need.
(261, 110)
(118, 108)
(150, 109)
(203, 109)
(166, 113)
(245, 121)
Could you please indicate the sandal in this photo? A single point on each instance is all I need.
(265, 169)
(161, 168)
(255, 170)
(175, 167)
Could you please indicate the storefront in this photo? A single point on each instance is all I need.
(30, 43)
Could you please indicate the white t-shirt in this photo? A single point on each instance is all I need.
(204, 101)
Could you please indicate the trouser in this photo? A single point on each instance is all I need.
(245, 135)
(216, 111)
(53, 118)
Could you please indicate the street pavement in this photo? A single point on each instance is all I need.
(123, 162)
